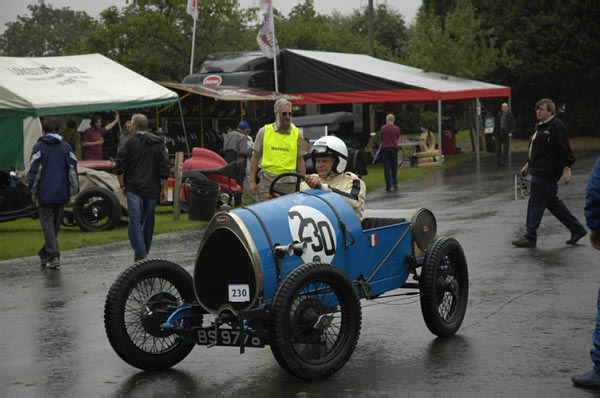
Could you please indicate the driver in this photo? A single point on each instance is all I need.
(330, 156)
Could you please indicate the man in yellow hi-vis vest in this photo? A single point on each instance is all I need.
(277, 147)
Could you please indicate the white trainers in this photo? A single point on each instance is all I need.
(53, 263)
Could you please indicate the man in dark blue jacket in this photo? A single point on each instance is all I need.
(550, 158)
(592, 217)
(52, 180)
(143, 169)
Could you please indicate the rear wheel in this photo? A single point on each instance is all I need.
(315, 321)
(138, 303)
(444, 287)
(97, 209)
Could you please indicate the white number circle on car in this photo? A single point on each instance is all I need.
(311, 226)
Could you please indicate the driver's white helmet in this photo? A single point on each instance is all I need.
(331, 146)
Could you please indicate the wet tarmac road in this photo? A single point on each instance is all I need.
(527, 329)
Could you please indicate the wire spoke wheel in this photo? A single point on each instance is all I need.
(444, 287)
(316, 325)
(315, 321)
(448, 290)
(148, 306)
(138, 303)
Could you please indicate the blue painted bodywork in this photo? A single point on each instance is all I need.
(361, 258)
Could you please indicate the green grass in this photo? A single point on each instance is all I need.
(24, 237)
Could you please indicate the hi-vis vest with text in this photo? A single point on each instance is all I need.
(280, 151)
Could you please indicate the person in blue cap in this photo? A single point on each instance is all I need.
(236, 147)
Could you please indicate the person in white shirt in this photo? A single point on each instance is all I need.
(330, 157)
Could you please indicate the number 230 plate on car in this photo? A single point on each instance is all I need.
(226, 337)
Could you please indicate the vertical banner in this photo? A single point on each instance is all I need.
(266, 32)
(192, 9)
(266, 36)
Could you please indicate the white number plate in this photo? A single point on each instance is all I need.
(239, 293)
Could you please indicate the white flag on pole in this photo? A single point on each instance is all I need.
(266, 33)
(192, 8)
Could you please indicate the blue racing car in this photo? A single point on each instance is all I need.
(289, 273)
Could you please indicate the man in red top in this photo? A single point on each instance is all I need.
(93, 138)
(390, 134)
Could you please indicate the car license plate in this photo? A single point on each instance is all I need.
(239, 293)
(227, 337)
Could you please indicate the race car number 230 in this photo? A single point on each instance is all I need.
(312, 227)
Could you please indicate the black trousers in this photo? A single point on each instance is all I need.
(502, 148)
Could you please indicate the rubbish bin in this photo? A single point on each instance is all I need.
(203, 199)
(448, 142)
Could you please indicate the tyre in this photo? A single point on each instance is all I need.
(138, 302)
(314, 321)
(97, 209)
(444, 286)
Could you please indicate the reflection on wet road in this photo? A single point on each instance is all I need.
(527, 329)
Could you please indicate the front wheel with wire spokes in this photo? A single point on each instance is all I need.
(138, 303)
(444, 286)
(314, 321)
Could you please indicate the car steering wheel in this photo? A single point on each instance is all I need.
(299, 177)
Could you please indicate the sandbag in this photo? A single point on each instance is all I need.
(427, 154)
(427, 142)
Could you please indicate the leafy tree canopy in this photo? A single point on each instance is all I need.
(153, 37)
(459, 47)
(46, 32)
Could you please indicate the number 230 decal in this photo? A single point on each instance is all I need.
(312, 227)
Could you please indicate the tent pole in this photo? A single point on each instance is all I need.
(275, 46)
(510, 138)
(477, 120)
(440, 132)
(193, 44)
(187, 144)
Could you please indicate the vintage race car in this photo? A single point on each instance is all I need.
(289, 273)
(98, 206)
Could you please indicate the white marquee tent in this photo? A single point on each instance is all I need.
(33, 87)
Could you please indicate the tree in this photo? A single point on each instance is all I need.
(558, 47)
(46, 32)
(305, 29)
(389, 28)
(153, 37)
(460, 47)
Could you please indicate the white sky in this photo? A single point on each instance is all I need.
(9, 9)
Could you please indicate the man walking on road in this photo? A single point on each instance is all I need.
(550, 158)
(390, 133)
(592, 217)
(52, 180)
(143, 169)
(503, 130)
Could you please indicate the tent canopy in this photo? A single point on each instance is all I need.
(324, 120)
(327, 77)
(73, 84)
(231, 93)
(32, 87)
